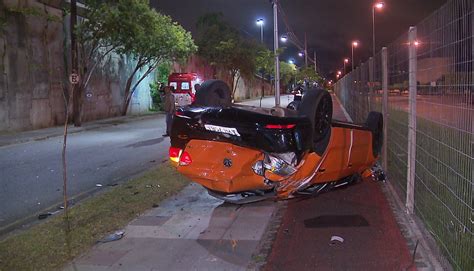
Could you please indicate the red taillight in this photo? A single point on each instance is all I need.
(178, 113)
(175, 153)
(185, 159)
(280, 126)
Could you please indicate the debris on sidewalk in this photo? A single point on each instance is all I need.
(336, 240)
(48, 214)
(112, 237)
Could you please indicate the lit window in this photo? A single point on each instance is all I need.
(174, 85)
(185, 85)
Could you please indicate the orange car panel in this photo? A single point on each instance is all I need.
(349, 152)
(209, 170)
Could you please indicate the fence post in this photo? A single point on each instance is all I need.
(371, 83)
(410, 201)
(385, 106)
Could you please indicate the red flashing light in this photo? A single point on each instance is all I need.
(185, 159)
(280, 126)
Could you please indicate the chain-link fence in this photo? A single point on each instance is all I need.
(429, 114)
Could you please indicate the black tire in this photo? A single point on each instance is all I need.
(294, 105)
(213, 93)
(317, 106)
(375, 124)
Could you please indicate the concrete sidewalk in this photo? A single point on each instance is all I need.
(190, 231)
(10, 138)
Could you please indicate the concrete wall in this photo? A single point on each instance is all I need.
(34, 52)
(34, 68)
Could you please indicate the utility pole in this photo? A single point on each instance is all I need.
(305, 50)
(277, 59)
(315, 63)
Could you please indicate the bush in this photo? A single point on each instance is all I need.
(156, 96)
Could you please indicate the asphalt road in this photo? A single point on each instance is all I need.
(31, 173)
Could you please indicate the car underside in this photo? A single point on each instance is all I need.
(243, 154)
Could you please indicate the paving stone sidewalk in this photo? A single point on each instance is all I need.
(190, 231)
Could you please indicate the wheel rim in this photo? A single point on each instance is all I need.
(323, 117)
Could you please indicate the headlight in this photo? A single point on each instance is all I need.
(278, 166)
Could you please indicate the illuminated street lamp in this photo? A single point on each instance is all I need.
(291, 61)
(261, 22)
(354, 44)
(346, 61)
(284, 38)
(300, 54)
(378, 6)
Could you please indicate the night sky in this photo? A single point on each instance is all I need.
(330, 25)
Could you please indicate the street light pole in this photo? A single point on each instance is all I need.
(315, 63)
(379, 6)
(373, 31)
(261, 22)
(277, 59)
(305, 51)
(354, 44)
(352, 62)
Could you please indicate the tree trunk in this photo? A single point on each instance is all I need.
(127, 95)
(77, 104)
(235, 87)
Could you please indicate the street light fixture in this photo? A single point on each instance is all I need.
(354, 44)
(261, 22)
(300, 54)
(378, 6)
(291, 61)
(284, 38)
(346, 61)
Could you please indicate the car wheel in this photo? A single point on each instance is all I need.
(375, 124)
(294, 105)
(213, 93)
(317, 106)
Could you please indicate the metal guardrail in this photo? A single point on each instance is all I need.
(429, 118)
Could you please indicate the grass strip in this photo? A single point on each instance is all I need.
(57, 241)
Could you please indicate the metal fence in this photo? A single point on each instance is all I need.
(429, 117)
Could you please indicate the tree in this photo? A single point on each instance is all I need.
(308, 74)
(265, 61)
(150, 38)
(238, 57)
(287, 72)
(223, 46)
(94, 36)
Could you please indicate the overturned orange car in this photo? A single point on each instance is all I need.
(243, 154)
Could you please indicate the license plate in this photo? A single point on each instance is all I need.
(223, 130)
